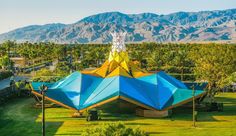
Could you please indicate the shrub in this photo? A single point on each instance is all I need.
(45, 75)
(5, 74)
(113, 129)
(62, 69)
(50, 79)
(44, 72)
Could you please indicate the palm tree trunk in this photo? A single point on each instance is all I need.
(182, 73)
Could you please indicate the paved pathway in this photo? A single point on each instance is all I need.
(6, 82)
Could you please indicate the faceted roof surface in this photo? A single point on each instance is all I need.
(118, 78)
(79, 91)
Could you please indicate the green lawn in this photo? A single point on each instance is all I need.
(19, 118)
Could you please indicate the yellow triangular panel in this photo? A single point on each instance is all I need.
(110, 57)
(124, 65)
(119, 71)
(112, 66)
(118, 58)
(124, 56)
(99, 71)
(137, 72)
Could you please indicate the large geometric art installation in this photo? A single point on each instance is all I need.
(118, 78)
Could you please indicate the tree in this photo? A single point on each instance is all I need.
(62, 68)
(4, 62)
(213, 63)
(6, 46)
(154, 61)
(180, 60)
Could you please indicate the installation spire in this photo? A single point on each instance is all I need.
(118, 62)
(118, 48)
(118, 42)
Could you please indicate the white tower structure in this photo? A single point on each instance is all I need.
(118, 42)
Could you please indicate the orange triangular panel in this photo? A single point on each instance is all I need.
(102, 71)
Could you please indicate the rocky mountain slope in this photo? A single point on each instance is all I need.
(145, 27)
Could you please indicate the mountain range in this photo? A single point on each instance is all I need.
(218, 25)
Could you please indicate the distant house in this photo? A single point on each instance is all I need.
(19, 61)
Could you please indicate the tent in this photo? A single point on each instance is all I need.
(157, 91)
(118, 78)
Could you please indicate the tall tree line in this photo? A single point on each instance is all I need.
(209, 62)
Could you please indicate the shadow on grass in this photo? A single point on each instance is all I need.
(18, 119)
(227, 100)
(69, 133)
(183, 113)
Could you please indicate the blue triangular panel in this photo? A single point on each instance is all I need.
(108, 88)
(131, 89)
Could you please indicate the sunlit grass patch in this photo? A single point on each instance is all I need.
(20, 118)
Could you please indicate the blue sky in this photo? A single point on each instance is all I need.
(19, 13)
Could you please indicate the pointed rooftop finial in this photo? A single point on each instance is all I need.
(118, 41)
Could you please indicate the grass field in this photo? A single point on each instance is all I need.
(20, 118)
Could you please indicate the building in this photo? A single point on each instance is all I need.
(119, 79)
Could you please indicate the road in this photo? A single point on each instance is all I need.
(6, 82)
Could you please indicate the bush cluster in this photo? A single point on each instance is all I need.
(5, 74)
(113, 129)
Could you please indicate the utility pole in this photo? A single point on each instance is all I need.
(194, 114)
(43, 89)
